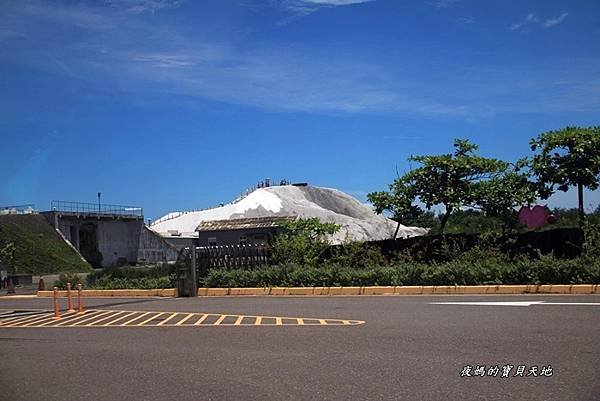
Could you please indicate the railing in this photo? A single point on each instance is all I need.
(18, 209)
(232, 256)
(96, 208)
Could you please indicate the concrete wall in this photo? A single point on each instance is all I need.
(181, 242)
(154, 249)
(102, 240)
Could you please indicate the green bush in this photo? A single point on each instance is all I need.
(115, 278)
(68, 277)
(301, 241)
(144, 283)
(465, 271)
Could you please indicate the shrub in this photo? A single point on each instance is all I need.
(468, 270)
(159, 276)
(69, 277)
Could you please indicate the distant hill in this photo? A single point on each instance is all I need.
(39, 248)
(358, 221)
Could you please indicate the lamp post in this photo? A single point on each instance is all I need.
(99, 209)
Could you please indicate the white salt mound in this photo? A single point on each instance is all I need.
(357, 220)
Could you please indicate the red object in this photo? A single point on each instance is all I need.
(535, 217)
(552, 218)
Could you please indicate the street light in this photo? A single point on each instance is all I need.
(99, 193)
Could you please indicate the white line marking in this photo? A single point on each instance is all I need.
(514, 303)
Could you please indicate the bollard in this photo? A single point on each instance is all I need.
(41, 285)
(11, 286)
(79, 300)
(56, 310)
(69, 299)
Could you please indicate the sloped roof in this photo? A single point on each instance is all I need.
(241, 224)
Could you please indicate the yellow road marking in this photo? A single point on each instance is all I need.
(79, 317)
(119, 318)
(150, 318)
(135, 318)
(179, 323)
(107, 317)
(67, 316)
(167, 319)
(219, 320)
(203, 318)
(96, 316)
(29, 319)
(111, 318)
(23, 318)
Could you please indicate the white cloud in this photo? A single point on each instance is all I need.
(142, 6)
(444, 3)
(336, 2)
(302, 8)
(466, 20)
(532, 19)
(122, 51)
(528, 20)
(555, 21)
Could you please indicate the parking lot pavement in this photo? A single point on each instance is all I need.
(428, 348)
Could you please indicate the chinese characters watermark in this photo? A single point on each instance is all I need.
(506, 371)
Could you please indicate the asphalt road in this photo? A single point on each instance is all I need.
(408, 348)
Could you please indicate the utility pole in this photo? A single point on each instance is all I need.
(193, 278)
(99, 209)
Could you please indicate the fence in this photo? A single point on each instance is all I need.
(97, 208)
(232, 256)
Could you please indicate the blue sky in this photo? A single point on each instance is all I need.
(183, 104)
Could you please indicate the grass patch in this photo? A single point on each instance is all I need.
(39, 248)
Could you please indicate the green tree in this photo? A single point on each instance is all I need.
(7, 257)
(567, 157)
(501, 194)
(457, 180)
(399, 201)
(451, 180)
(302, 241)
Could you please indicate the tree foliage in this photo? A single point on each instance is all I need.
(302, 241)
(399, 201)
(7, 257)
(454, 181)
(567, 157)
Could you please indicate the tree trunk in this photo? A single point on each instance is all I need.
(397, 229)
(445, 220)
(580, 198)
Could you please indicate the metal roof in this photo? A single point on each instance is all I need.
(241, 224)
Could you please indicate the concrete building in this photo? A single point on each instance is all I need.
(254, 231)
(109, 235)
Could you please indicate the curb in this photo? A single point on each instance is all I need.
(165, 292)
(575, 289)
(407, 290)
